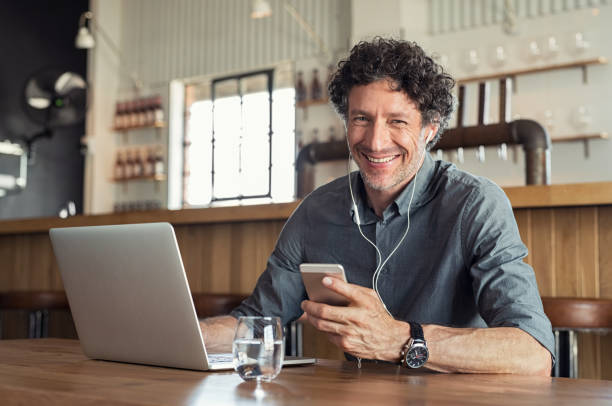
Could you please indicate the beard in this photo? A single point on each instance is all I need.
(402, 174)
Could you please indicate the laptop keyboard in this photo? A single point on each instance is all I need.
(225, 357)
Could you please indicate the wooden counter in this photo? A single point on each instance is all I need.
(55, 372)
(577, 194)
(570, 195)
(567, 229)
(264, 212)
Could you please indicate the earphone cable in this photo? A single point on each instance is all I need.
(380, 264)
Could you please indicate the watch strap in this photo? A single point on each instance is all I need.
(416, 331)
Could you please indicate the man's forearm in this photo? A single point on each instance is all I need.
(485, 350)
(218, 333)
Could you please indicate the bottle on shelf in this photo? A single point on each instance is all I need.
(315, 86)
(159, 166)
(300, 88)
(135, 113)
(117, 119)
(142, 112)
(137, 205)
(128, 171)
(158, 111)
(119, 169)
(149, 163)
(138, 170)
(150, 111)
(124, 121)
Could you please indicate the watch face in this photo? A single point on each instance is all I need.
(417, 356)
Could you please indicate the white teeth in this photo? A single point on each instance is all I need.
(380, 160)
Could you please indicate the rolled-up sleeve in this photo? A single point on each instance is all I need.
(505, 287)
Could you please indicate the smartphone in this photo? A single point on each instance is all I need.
(313, 274)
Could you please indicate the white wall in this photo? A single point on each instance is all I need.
(103, 74)
(559, 93)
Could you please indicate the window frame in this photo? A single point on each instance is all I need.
(270, 88)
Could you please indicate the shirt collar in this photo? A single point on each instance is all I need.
(423, 179)
(401, 202)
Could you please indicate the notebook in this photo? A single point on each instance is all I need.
(129, 296)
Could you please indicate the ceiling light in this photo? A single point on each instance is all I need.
(84, 38)
(260, 9)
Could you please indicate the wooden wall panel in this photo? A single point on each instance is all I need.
(542, 250)
(589, 356)
(7, 261)
(194, 240)
(220, 265)
(587, 269)
(606, 355)
(566, 253)
(605, 252)
(226, 257)
(605, 281)
(587, 251)
(523, 220)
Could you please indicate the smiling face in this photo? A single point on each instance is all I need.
(386, 137)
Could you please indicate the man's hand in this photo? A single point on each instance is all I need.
(218, 333)
(364, 328)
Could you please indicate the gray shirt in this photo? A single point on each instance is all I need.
(461, 264)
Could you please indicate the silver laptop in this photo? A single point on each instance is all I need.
(130, 299)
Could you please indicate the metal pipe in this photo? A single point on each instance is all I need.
(483, 103)
(310, 155)
(461, 109)
(505, 99)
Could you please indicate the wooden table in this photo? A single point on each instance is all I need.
(54, 371)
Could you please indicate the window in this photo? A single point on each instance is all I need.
(239, 139)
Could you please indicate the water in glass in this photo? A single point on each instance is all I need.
(258, 348)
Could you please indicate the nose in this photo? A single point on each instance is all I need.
(377, 136)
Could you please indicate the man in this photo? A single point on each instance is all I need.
(450, 255)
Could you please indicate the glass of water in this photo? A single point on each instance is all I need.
(258, 348)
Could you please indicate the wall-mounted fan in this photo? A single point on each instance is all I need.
(54, 98)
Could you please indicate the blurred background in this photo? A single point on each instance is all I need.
(193, 103)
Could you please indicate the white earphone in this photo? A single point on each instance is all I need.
(380, 263)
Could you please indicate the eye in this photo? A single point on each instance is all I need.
(360, 120)
(398, 122)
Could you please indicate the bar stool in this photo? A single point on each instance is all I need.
(570, 316)
(38, 303)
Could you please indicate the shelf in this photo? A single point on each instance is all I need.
(581, 137)
(156, 178)
(309, 103)
(144, 127)
(569, 65)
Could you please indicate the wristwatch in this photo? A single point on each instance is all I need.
(414, 353)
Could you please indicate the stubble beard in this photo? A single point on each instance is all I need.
(402, 173)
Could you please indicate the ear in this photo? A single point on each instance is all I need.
(431, 131)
